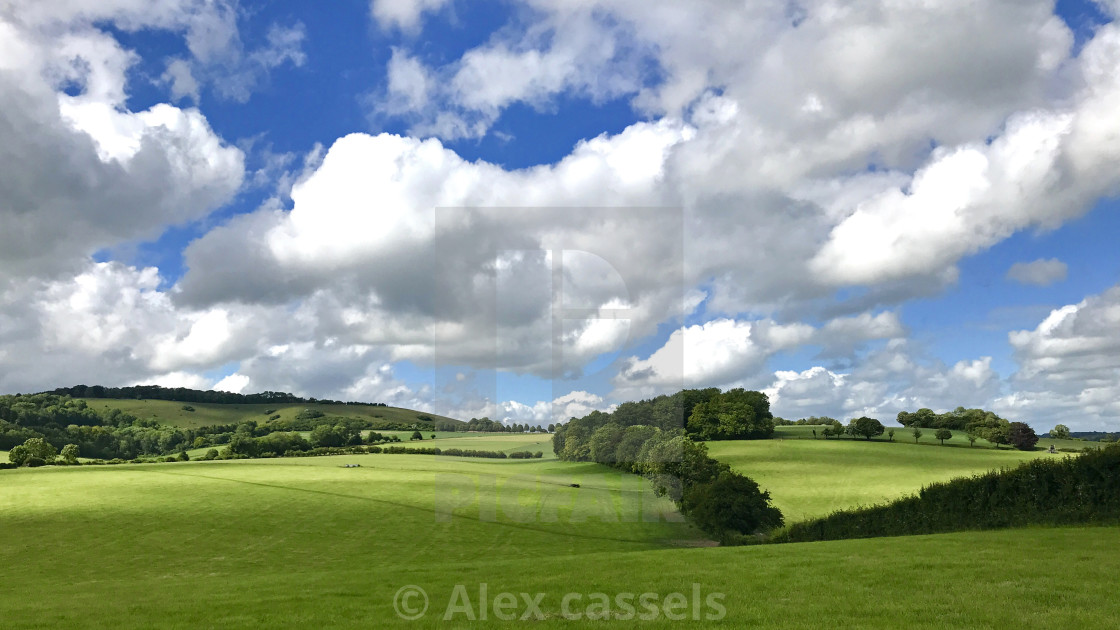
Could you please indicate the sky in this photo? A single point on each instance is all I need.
(531, 210)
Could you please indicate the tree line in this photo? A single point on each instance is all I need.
(648, 438)
(184, 394)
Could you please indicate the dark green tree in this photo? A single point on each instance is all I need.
(943, 434)
(1022, 436)
(865, 427)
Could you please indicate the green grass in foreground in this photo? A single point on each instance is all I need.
(172, 413)
(808, 478)
(290, 543)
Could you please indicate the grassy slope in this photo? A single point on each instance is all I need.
(172, 413)
(809, 477)
(288, 543)
(505, 442)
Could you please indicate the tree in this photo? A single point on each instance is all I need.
(731, 504)
(972, 437)
(1060, 432)
(416, 435)
(70, 453)
(917, 434)
(433, 436)
(211, 454)
(999, 434)
(38, 447)
(890, 435)
(18, 455)
(865, 427)
(1022, 436)
(943, 434)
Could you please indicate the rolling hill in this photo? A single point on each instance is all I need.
(286, 543)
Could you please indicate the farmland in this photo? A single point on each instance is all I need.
(286, 542)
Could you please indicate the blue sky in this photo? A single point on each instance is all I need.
(866, 220)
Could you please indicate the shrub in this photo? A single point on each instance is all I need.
(187, 408)
(211, 454)
(35, 462)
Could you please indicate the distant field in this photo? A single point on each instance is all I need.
(172, 413)
(3, 456)
(289, 543)
(902, 434)
(504, 442)
(808, 478)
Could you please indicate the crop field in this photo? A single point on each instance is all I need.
(290, 542)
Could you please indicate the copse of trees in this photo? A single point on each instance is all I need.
(647, 438)
(958, 419)
(736, 414)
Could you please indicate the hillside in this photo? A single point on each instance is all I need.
(172, 412)
(808, 478)
(293, 542)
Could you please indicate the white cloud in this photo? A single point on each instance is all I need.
(403, 14)
(235, 383)
(83, 161)
(1041, 272)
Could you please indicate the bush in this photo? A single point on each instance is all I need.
(187, 408)
(211, 454)
(35, 462)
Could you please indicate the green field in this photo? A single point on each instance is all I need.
(293, 542)
(172, 413)
(808, 477)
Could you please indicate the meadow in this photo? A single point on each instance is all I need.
(291, 542)
(811, 477)
(330, 541)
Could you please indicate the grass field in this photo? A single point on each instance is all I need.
(296, 542)
(808, 477)
(172, 413)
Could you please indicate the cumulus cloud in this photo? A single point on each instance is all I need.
(726, 352)
(1042, 272)
(892, 379)
(1069, 365)
(403, 14)
(787, 153)
(79, 171)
